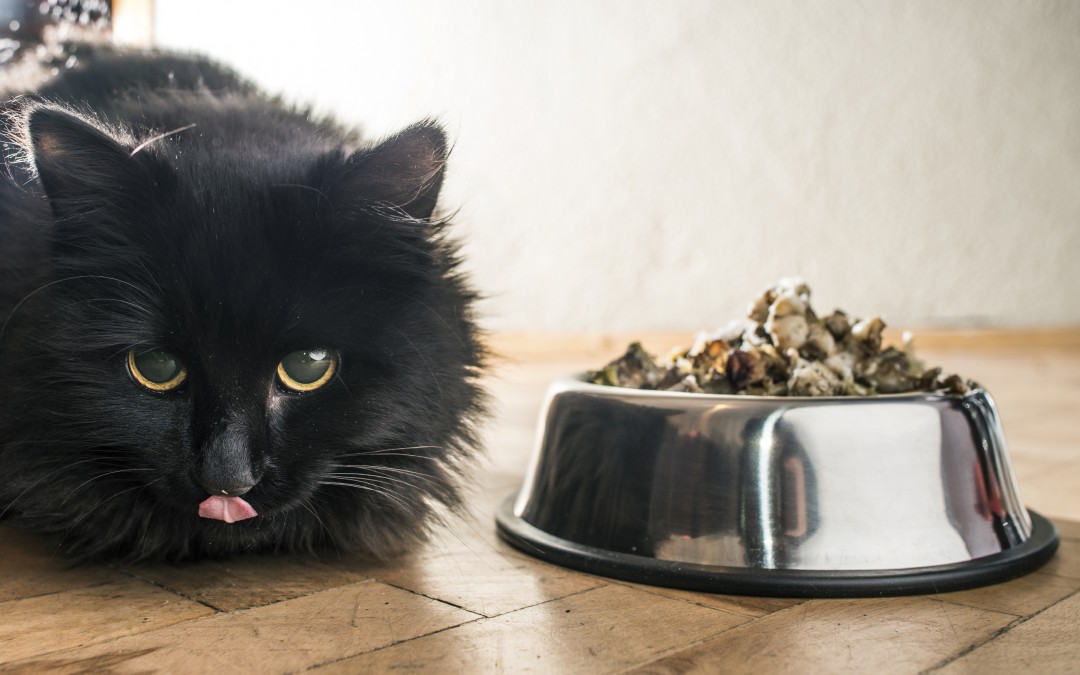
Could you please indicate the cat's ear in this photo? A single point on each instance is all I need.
(81, 167)
(404, 172)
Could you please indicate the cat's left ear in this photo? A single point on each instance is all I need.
(81, 166)
(404, 172)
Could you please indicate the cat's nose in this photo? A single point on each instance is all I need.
(226, 468)
(227, 488)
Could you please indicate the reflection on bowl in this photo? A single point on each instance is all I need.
(785, 496)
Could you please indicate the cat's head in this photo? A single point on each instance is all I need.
(284, 331)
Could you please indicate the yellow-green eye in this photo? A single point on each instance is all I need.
(156, 369)
(307, 369)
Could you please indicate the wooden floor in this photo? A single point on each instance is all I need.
(468, 603)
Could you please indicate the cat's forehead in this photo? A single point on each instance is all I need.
(244, 255)
(246, 250)
(248, 215)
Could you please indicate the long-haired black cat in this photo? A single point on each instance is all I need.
(225, 325)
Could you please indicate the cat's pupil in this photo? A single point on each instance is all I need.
(307, 365)
(158, 365)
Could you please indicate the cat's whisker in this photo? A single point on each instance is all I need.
(315, 515)
(92, 301)
(128, 348)
(77, 277)
(146, 524)
(409, 447)
(366, 471)
(424, 358)
(365, 479)
(397, 469)
(412, 493)
(373, 472)
(40, 481)
(393, 452)
(45, 442)
(95, 508)
(149, 276)
(73, 491)
(378, 488)
(448, 527)
(135, 507)
(304, 187)
(344, 484)
(385, 479)
(281, 531)
(341, 381)
(397, 454)
(154, 139)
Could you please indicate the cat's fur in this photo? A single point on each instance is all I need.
(257, 231)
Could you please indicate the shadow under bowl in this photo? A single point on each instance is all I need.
(785, 496)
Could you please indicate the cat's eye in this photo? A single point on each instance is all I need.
(307, 369)
(156, 369)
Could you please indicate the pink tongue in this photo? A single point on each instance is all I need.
(229, 509)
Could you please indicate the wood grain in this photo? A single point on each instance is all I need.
(1069, 529)
(1020, 597)
(47, 623)
(746, 605)
(901, 635)
(283, 637)
(250, 582)
(28, 567)
(1067, 561)
(602, 630)
(1050, 495)
(1046, 643)
(488, 581)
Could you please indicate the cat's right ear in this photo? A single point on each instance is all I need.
(402, 174)
(81, 167)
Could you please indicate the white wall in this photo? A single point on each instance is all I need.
(651, 165)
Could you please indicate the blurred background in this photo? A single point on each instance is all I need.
(648, 165)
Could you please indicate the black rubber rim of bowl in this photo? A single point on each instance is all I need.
(1014, 562)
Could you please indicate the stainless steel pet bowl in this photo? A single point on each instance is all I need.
(884, 495)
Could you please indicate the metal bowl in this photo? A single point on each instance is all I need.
(896, 494)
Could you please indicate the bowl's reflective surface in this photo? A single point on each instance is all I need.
(881, 483)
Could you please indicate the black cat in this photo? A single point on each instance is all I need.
(225, 325)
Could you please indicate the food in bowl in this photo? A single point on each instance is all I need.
(783, 348)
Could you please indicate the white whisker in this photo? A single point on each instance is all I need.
(379, 489)
(98, 477)
(385, 480)
(11, 314)
(315, 515)
(42, 480)
(99, 505)
(367, 471)
(393, 452)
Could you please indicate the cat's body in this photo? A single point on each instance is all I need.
(158, 205)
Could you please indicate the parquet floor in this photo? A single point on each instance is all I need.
(468, 603)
